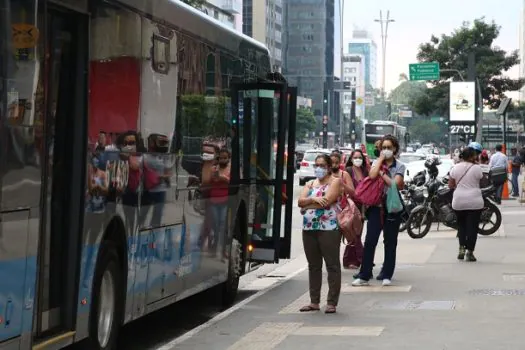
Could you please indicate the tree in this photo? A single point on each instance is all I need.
(425, 131)
(305, 123)
(195, 3)
(451, 52)
(407, 92)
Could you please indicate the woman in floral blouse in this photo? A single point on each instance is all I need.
(321, 236)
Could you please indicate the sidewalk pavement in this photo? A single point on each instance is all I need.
(436, 302)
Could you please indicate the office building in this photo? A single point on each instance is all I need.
(228, 12)
(363, 44)
(354, 72)
(309, 52)
(263, 21)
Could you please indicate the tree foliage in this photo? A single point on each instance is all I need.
(451, 52)
(425, 131)
(407, 91)
(305, 123)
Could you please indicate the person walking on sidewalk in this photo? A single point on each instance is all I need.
(498, 160)
(358, 170)
(379, 220)
(321, 236)
(467, 201)
(516, 170)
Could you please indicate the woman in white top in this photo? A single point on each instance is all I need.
(467, 201)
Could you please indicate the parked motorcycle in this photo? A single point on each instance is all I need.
(438, 207)
(412, 195)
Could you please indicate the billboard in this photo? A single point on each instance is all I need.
(462, 102)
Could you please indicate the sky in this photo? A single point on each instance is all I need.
(417, 20)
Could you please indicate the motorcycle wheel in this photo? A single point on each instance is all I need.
(490, 209)
(416, 221)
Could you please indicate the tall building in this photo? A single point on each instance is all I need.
(522, 49)
(362, 44)
(228, 12)
(354, 72)
(263, 21)
(309, 52)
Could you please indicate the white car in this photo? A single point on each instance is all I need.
(417, 166)
(306, 170)
(409, 157)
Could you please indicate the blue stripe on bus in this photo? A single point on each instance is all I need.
(17, 296)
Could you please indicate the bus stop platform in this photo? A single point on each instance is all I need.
(435, 302)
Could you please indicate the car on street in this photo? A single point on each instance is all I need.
(409, 157)
(306, 170)
(414, 167)
(299, 152)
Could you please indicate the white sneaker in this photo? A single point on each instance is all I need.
(360, 283)
(386, 282)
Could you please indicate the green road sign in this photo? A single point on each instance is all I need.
(424, 71)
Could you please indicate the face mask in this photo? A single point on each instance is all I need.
(388, 153)
(377, 153)
(320, 172)
(357, 162)
(129, 148)
(208, 156)
(335, 170)
(223, 163)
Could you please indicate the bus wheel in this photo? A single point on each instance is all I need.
(107, 300)
(231, 286)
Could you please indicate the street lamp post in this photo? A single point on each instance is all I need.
(384, 35)
(341, 94)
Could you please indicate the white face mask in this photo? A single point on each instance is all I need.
(129, 148)
(208, 156)
(357, 162)
(388, 153)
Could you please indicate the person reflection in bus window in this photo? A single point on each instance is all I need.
(201, 203)
(157, 175)
(95, 207)
(219, 201)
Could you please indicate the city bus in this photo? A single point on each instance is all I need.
(377, 129)
(136, 164)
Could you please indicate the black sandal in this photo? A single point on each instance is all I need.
(330, 309)
(309, 308)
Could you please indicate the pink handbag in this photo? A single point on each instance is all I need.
(349, 218)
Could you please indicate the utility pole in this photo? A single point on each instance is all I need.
(384, 36)
(341, 94)
(352, 118)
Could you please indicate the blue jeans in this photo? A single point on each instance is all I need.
(515, 186)
(219, 213)
(390, 230)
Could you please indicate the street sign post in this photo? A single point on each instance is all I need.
(424, 71)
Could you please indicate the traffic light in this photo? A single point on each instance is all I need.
(388, 108)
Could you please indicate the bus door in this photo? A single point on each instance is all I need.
(260, 111)
(65, 85)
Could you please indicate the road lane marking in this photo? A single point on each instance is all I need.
(266, 336)
(340, 331)
(188, 335)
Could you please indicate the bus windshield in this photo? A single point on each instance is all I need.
(379, 130)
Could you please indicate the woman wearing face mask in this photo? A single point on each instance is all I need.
(357, 170)
(321, 236)
(379, 220)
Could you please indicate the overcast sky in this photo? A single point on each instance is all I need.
(417, 20)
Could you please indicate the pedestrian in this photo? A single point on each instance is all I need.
(321, 236)
(378, 219)
(516, 170)
(497, 161)
(357, 169)
(467, 201)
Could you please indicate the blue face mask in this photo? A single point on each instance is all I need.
(320, 172)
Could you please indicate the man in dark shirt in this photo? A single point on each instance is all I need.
(516, 166)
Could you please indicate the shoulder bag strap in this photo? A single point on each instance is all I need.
(466, 172)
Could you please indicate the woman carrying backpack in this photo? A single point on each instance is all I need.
(391, 171)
